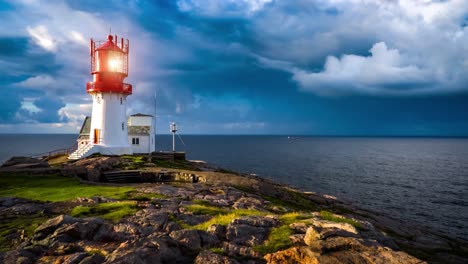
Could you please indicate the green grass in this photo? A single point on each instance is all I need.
(201, 202)
(7, 226)
(227, 217)
(53, 188)
(325, 215)
(295, 202)
(205, 209)
(138, 160)
(293, 217)
(110, 211)
(219, 251)
(174, 165)
(278, 239)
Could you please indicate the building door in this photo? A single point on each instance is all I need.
(96, 136)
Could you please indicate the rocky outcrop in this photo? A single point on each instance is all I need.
(90, 169)
(167, 229)
(24, 163)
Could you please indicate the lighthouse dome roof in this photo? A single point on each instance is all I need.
(109, 45)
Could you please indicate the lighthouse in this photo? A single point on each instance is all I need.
(108, 131)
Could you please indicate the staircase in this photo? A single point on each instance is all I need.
(81, 152)
(122, 176)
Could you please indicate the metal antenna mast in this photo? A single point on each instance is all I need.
(173, 130)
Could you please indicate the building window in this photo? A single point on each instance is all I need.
(135, 141)
(121, 101)
(123, 126)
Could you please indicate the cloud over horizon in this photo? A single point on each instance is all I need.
(250, 66)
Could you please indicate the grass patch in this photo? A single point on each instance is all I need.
(96, 251)
(278, 239)
(202, 202)
(325, 215)
(110, 211)
(137, 160)
(205, 209)
(227, 217)
(8, 226)
(295, 202)
(54, 188)
(177, 164)
(293, 217)
(219, 251)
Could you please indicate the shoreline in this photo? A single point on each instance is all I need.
(390, 233)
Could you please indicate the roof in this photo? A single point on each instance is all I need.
(139, 130)
(139, 114)
(109, 45)
(86, 127)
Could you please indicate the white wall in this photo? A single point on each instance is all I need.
(148, 144)
(108, 115)
(143, 147)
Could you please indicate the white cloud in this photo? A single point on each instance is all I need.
(426, 39)
(41, 37)
(40, 82)
(379, 72)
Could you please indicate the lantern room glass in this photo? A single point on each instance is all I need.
(110, 61)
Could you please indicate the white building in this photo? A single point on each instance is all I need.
(141, 135)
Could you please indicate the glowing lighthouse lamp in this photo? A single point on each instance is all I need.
(109, 67)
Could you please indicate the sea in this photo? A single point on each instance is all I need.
(423, 181)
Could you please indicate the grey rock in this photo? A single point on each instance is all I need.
(187, 238)
(237, 250)
(74, 258)
(93, 259)
(208, 257)
(257, 221)
(51, 225)
(297, 239)
(207, 239)
(343, 243)
(248, 203)
(217, 230)
(135, 254)
(168, 250)
(246, 235)
(300, 227)
(24, 162)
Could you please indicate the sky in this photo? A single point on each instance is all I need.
(303, 67)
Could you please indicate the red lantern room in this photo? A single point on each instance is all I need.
(109, 66)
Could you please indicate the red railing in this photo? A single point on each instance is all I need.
(92, 87)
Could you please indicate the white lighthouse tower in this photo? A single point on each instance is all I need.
(108, 133)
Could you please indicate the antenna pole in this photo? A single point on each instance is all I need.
(154, 121)
(174, 130)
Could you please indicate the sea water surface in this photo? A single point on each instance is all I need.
(419, 180)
